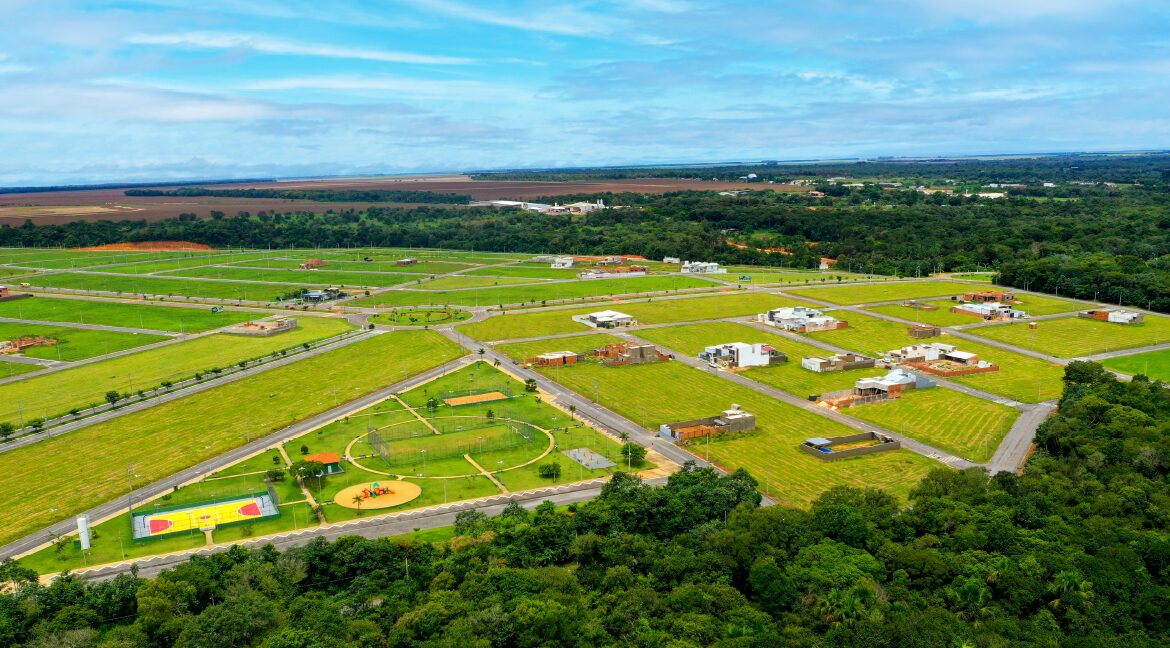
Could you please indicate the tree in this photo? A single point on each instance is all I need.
(113, 396)
(357, 501)
(530, 385)
(634, 453)
(470, 522)
(550, 470)
(6, 430)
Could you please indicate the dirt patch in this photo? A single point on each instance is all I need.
(475, 398)
(149, 246)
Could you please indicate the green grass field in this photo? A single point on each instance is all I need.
(941, 317)
(1020, 377)
(355, 264)
(527, 272)
(771, 276)
(420, 316)
(185, 432)
(79, 387)
(789, 376)
(323, 277)
(670, 391)
(93, 258)
(1070, 337)
(1155, 364)
(1041, 305)
(180, 287)
(963, 425)
(458, 282)
(167, 265)
(868, 335)
(114, 313)
(517, 325)
(577, 343)
(532, 294)
(985, 277)
(886, 291)
(75, 344)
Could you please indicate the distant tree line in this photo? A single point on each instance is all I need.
(320, 195)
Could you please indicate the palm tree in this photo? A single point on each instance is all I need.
(357, 499)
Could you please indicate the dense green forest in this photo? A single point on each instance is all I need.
(321, 195)
(1073, 553)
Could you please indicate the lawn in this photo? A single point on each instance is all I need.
(987, 277)
(543, 272)
(74, 343)
(187, 262)
(532, 294)
(176, 435)
(789, 376)
(420, 316)
(355, 264)
(941, 317)
(1155, 364)
(868, 335)
(960, 424)
(458, 282)
(115, 313)
(1042, 305)
(1020, 377)
(154, 285)
(511, 326)
(670, 391)
(88, 259)
(55, 393)
(1070, 337)
(324, 277)
(577, 343)
(886, 291)
(771, 276)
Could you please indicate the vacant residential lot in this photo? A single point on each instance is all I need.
(1155, 364)
(885, 291)
(941, 317)
(51, 394)
(533, 294)
(527, 271)
(1020, 377)
(1072, 336)
(296, 277)
(516, 325)
(114, 313)
(867, 335)
(185, 432)
(74, 343)
(156, 285)
(577, 344)
(457, 282)
(670, 391)
(214, 258)
(87, 259)
(963, 425)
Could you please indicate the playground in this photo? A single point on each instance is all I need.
(377, 495)
(155, 524)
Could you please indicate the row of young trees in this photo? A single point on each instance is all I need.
(1072, 553)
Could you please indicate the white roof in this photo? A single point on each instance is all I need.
(964, 355)
(609, 314)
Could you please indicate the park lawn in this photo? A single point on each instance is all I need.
(1155, 364)
(1020, 377)
(296, 277)
(459, 489)
(941, 317)
(176, 435)
(885, 291)
(865, 334)
(669, 391)
(511, 326)
(531, 294)
(420, 316)
(156, 285)
(543, 272)
(74, 343)
(578, 343)
(213, 258)
(1071, 337)
(55, 393)
(963, 425)
(114, 313)
(457, 282)
(789, 376)
(260, 462)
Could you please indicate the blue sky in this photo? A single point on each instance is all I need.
(95, 92)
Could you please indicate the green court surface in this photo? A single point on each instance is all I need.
(74, 343)
(1071, 337)
(885, 291)
(183, 319)
(960, 424)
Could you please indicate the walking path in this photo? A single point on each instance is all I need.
(485, 473)
(416, 414)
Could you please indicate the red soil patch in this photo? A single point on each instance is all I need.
(155, 246)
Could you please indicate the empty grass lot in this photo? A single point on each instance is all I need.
(1020, 377)
(789, 376)
(1155, 364)
(975, 277)
(75, 344)
(296, 277)
(113, 313)
(671, 391)
(155, 285)
(186, 262)
(180, 434)
(516, 325)
(89, 259)
(527, 272)
(885, 291)
(532, 294)
(963, 425)
(1070, 337)
(577, 343)
(869, 335)
(460, 281)
(941, 317)
(759, 276)
(55, 393)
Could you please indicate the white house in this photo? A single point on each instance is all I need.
(989, 310)
(675, 260)
(801, 319)
(563, 262)
(702, 267)
(737, 355)
(606, 319)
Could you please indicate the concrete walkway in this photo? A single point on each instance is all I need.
(483, 471)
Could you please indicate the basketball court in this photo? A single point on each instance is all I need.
(207, 516)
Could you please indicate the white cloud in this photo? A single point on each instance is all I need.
(269, 45)
(553, 18)
(418, 88)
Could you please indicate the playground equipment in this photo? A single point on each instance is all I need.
(377, 495)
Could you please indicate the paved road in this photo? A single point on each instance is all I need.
(1013, 450)
(1097, 357)
(43, 362)
(181, 390)
(117, 506)
(95, 327)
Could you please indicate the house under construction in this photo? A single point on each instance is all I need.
(628, 353)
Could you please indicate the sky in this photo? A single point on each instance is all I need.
(164, 90)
